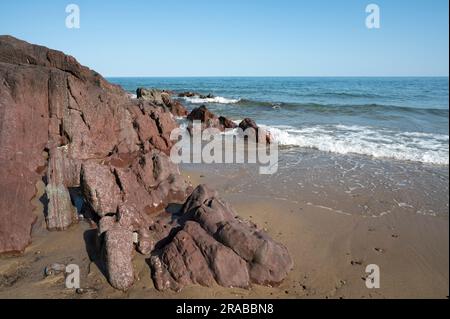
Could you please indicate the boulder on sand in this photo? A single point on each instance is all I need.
(220, 245)
(119, 257)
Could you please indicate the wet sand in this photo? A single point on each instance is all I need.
(332, 228)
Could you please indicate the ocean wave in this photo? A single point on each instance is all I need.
(343, 108)
(216, 99)
(354, 139)
(343, 95)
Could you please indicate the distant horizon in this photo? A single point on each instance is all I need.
(279, 76)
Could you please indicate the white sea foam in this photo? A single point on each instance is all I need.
(343, 139)
(217, 99)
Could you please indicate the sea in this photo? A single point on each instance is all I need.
(362, 145)
(392, 118)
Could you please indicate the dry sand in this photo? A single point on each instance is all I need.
(330, 250)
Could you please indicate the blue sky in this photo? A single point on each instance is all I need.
(240, 37)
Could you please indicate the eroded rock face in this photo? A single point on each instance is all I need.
(66, 125)
(211, 242)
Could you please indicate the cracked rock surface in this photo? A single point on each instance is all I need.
(65, 125)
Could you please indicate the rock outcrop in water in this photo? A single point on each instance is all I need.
(195, 94)
(66, 125)
(163, 99)
(250, 126)
(209, 120)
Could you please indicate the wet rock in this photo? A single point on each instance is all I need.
(227, 123)
(204, 115)
(193, 94)
(250, 127)
(209, 119)
(187, 94)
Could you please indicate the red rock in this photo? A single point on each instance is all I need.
(163, 99)
(269, 262)
(209, 119)
(228, 268)
(227, 123)
(257, 134)
(202, 114)
(65, 122)
(100, 188)
(23, 139)
(236, 252)
(119, 257)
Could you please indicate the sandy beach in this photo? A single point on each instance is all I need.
(330, 248)
(297, 187)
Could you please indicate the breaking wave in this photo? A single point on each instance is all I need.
(345, 139)
(216, 99)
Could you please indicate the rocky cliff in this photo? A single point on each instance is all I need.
(64, 124)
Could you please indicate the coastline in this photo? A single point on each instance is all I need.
(94, 195)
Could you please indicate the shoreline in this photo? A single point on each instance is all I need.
(88, 182)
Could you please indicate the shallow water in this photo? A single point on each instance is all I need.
(342, 184)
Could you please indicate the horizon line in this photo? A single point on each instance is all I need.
(276, 76)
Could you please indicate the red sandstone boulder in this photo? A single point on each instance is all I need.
(119, 257)
(219, 245)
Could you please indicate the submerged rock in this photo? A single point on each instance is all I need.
(193, 94)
